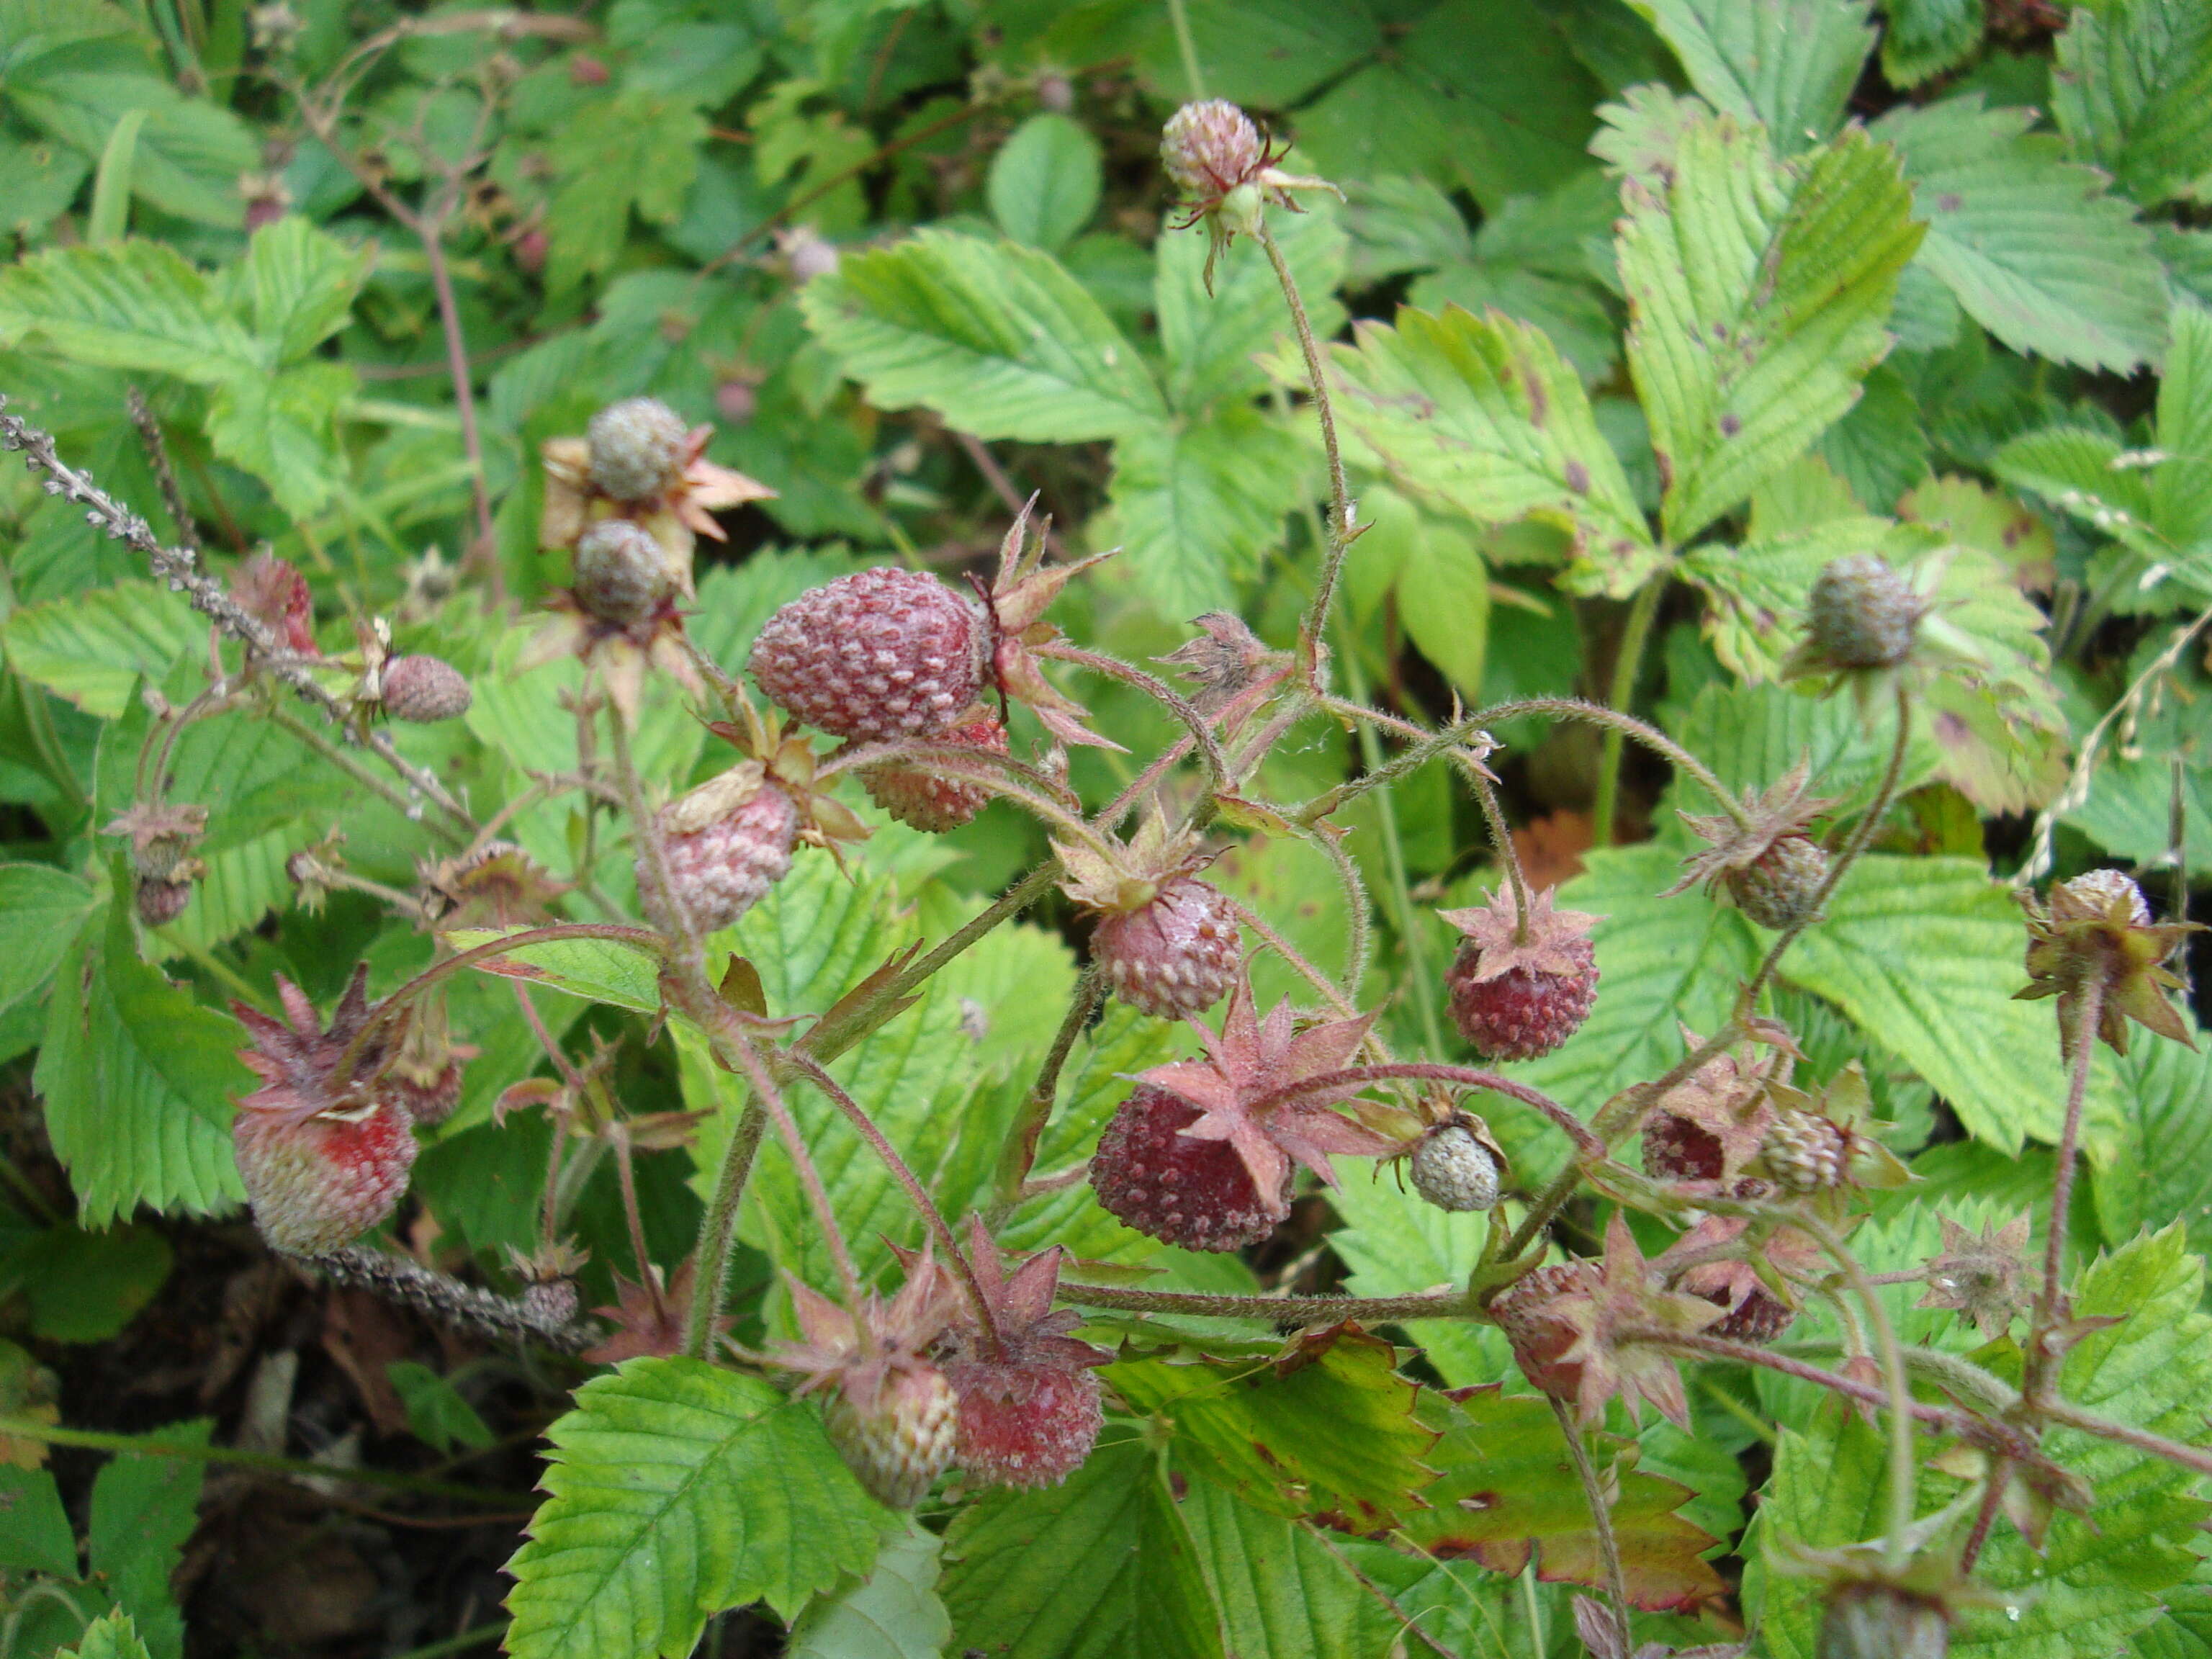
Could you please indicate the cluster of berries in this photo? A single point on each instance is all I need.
(934, 1377)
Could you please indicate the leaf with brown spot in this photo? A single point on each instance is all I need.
(1509, 1486)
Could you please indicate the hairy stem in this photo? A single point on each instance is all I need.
(395, 1279)
(1608, 1546)
(1862, 833)
(1904, 1474)
(1018, 1157)
(2080, 1046)
(710, 1280)
(917, 1195)
(1627, 663)
(1200, 728)
(1312, 630)
(1276, 1309)
(465, 397)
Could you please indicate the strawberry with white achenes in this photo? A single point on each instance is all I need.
(1202, 1153)
(1520, 989)
(889, 1411)
(729, 841)
(886, 653)
(1167, 942)
(1028, 1394)
(932, 797)
(323, 1147)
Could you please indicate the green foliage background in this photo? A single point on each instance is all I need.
(1637, 311)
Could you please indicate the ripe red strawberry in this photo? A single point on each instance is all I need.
(913, 793)
(323, 1147)
(423, 689)
(1517, 992)
(727, 842)
(1167, 941)
(1197, 1193)
(1202, 1154)
(882, 654)
(891, 1415)
(885, 653)
(1029, 1397)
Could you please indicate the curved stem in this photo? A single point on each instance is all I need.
(1316, 624)
(1200, 728)
(1904, 1474)
(1608, 1546)
(711, 1257)
(1359, 945)
(917, 1195)
(1336, 1083)
(1018, 1157)
(1626, 724)
(1248, 917)
(1861, 833)
(1627, 662)
(1276, 1309)
(2079, 1044)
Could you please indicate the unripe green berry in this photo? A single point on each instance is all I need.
(619, 572)
(1779, 888)
(1454, 1171)
(636, 448)
(1863, 613)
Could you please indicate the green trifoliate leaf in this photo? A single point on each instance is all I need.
(1101, 1567)
(2031, 244)
(1211, 340)
(892, 1613)
(1330, 1429)
(144, 1507)
(1787, 65)
(138, 1081)
(1480, 416)
(1923, 955)
(1044, 181)
(2162, 1170)
(1760, 289)
(1197, 506)
(1484, 95)
(677, 1491)
(999, 340)
(2133, 93)
(1926, 37)
(637, 151)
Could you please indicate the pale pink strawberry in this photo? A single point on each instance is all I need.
(890, 1412)
(1167, 941)
(932, 799)
(323, 1147)
(723, 859)
(885, 653)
